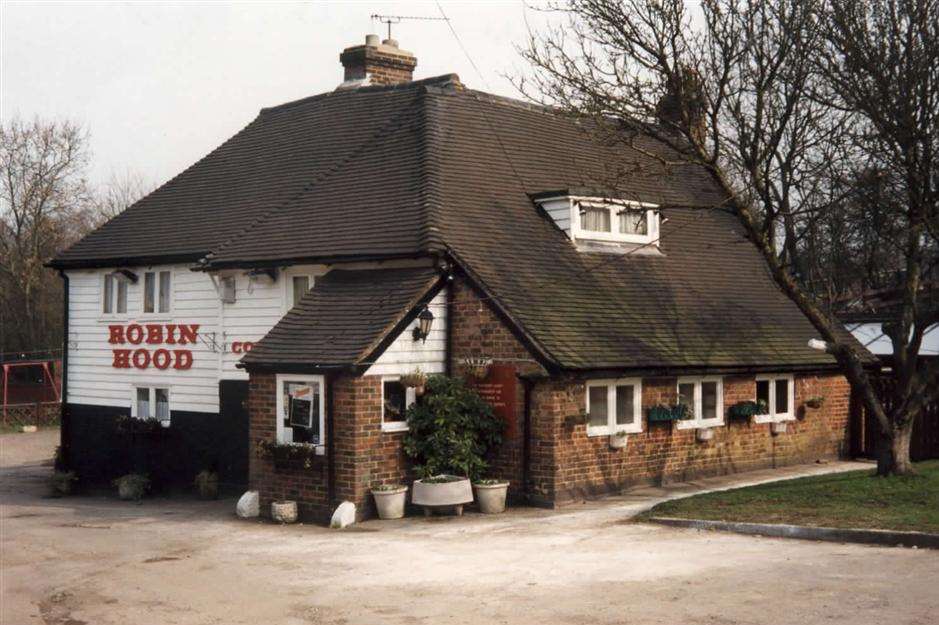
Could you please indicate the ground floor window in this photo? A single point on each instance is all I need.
(614, 406)
(151, 403)
(395, 400)
(777, 393)
(705, 400)
(300, 409)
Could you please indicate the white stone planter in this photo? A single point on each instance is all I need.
(778, 427)
(442, 494)
(390, 503)
(491, 497)
(284, 511)
(618, 440)
(704, 434)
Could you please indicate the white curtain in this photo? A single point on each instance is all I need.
(633, 222)
(594, 219)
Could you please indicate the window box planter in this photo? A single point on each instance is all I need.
(389, 500)
(442, 491)
(744, 410)
(490, 495)
(665, 414)
(290, 456)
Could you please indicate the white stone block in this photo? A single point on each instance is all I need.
(249, 505)
(344, 516)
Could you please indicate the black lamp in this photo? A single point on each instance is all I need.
(424, 322)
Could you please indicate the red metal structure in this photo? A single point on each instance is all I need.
(30, 387)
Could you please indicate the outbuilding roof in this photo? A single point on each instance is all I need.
(430, 167)
(346, 318)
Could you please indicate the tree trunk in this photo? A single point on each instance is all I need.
(894, 456)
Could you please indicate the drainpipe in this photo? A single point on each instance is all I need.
(448, 307)
(64, 420)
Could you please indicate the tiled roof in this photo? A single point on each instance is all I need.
(345, 318)
(430, 167)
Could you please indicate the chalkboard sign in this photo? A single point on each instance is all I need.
(301, 413)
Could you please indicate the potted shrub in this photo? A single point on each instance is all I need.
(132, 487)
(389, 500)
(417, 380)
(450, 433)
(618, 440)
(490, 495)
(206, 483)
(61, 483)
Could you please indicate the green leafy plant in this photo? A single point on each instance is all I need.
(489, 482)
(746, 409)
(287, 455)
(132, 425)
(662, 413)
(386, 488)
(451, 431)
(61, 483)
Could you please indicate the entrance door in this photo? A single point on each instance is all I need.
(233, 412)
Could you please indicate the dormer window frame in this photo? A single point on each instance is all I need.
(615, 207)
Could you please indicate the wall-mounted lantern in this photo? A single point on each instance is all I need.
(425, 321)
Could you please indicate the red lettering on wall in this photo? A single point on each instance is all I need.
(183, 358)
(116, 334)
(170, 331)
(154, 334)
(134, 334)
(161, 358)
(121, 359)
(236, 347)
(187, 334)
(141, 358)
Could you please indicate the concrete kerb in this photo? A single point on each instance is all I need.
(889, 538)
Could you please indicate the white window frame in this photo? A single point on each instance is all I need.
(611, 426)
(280, 378)
(698, 421)
(157, 291)
(410, 396)
(772, 416)
(152, 387)
(116, 280)
(615, 207)
(288, 286)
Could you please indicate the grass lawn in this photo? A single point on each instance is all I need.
(853, 499)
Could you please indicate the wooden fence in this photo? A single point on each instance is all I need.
(38, 413)
(925, 442)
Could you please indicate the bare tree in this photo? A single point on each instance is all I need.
(738, 88)
(44, 205)
(119, 192)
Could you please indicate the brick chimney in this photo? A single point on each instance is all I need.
(377, 63)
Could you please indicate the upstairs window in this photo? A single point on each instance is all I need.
(777, 393)
(114, 298)
(156, 291)
(615, 221)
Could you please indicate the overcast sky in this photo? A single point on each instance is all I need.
(160, 84)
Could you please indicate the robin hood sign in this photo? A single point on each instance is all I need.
(170, 336)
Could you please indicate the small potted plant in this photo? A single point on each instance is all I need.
(815, 402)
(490, 495)
(417, 380)
(206, 483)
(618, 440)
(449, 437)
(132, 487)
(61, 483)
(389, 500)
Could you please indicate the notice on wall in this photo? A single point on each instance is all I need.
(498, 388)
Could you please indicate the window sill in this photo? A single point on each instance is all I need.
(698, 425)
(593, 432)
(773, 419)
(394, 427)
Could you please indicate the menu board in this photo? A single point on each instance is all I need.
(498, 388)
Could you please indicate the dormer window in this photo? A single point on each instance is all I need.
(599, 224)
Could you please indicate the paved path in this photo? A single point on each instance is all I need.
(93, 560)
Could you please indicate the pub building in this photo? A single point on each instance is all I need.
(277, 290)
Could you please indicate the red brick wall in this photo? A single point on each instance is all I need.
(587, 465)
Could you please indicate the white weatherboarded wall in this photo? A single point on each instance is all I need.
(404, 355)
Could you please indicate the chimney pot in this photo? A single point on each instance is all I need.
(371, 41)
(391, 43)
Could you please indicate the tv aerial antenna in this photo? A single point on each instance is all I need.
(397, 19)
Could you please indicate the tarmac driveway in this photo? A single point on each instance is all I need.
(93, 560)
